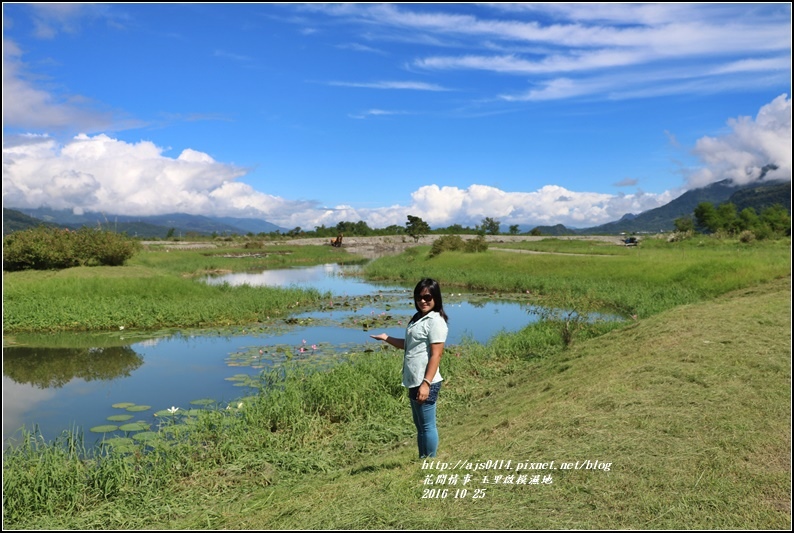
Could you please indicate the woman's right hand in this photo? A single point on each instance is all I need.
(380, 337)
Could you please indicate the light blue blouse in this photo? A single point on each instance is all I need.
(419, 335)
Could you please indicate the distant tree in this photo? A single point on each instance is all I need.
(394, 229)
(456, 229)
(490, 226)
(536, 232)
(684, 224)
(773, 221)
(361, 229)
(170, 233)
(345, 227)
(416, 227)
(514, 229)
(727, 218)
(777, 218)
(748, 219)
(706, 217)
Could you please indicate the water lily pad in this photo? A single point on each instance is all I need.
(167, 412)
(119, 418)
(145, 435)
(135, 426)
(107, 428)
(136, 408)
(204, 401)
(122, 405)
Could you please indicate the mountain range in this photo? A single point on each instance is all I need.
(758, 196)
(157, 226)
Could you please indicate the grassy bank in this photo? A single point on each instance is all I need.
(691, 409)
(157, 289)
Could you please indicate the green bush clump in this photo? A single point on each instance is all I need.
(454, 243)
(476, 245)
(45, 248)
(446, 243)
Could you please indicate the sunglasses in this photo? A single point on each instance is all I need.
(425, 298)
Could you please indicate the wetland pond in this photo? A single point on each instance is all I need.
(115, 383)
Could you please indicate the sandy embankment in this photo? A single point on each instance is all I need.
(386, 245)
(371, 247)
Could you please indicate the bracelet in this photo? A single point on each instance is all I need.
(428, 383)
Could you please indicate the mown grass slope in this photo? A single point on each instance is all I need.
(691, 408)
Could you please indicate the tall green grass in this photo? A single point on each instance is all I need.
(156, 290)
(641, 281)
(58, 304)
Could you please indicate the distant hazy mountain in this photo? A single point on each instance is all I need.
(253, 225)
(555, 231)
(16, 221)
(150, 226)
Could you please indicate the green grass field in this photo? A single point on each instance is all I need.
(689, 405)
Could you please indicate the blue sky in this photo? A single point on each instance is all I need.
(310, 114)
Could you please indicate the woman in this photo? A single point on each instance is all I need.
(424, 341)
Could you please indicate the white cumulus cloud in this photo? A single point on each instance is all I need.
(99, 173)
(750, 146)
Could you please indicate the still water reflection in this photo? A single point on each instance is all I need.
(59, 388)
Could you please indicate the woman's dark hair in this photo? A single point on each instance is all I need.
(435, 291)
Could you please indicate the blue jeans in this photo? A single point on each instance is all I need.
(424, 415)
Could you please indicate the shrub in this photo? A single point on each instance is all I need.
(747, 236)
(446, 243)
(40, 248)
(478, 244)
(679, 236)
(104, 247)
(45, 248)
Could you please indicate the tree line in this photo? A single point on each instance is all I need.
(414, 227)
(725, 219)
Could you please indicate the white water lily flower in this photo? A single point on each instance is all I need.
(173, 410)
